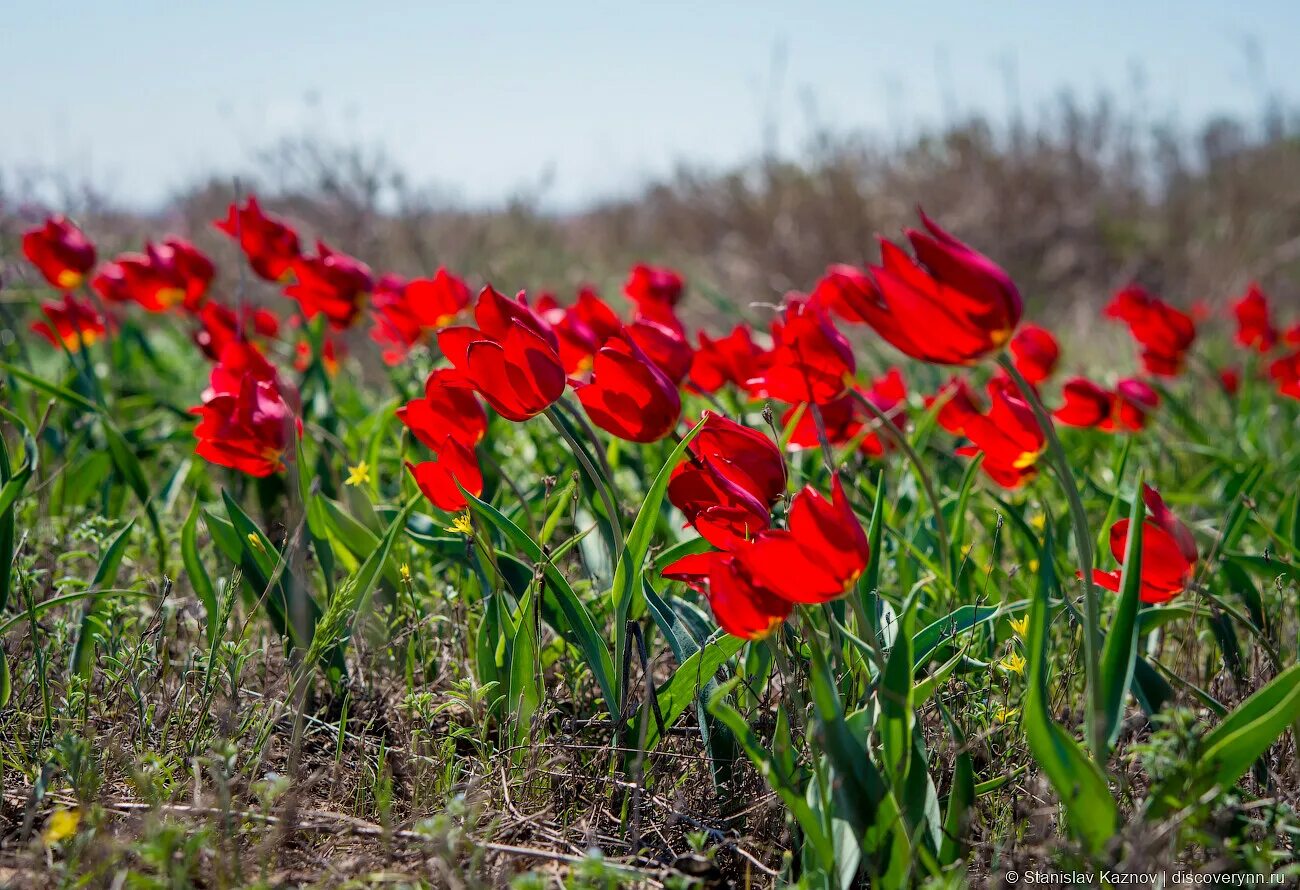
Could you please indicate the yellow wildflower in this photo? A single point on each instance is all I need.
(358, 475)
(256, 541)
(1019, 626)
(461, 525)
(1013, 664)
(406, 571)
(1005, 715)
(62, 825)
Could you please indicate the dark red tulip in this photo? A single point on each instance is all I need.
(408, 311)
(60, 252)
(1164, 333)
(332, 284)
(848, 292)
(270, 245)
(247, 428)
(665, 346)
(71, 322)
(1255, 328)
(581, 328)
(951, 305)
(511, 358)
(741, 607)
(1127, 408)
(1230, 380)
(744, 455)
(1035, 353)
(219, 325)
(437, 479)
(1168, 552)
(845, 417)
(810, 360)
(1007, 434)
(819, 558)
(446, 410)
(1135, 401)
(628, 396)
(733, 359)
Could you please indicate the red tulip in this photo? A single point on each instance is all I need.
(247, 428)
(1007, 434)
(1230, 380)
(219, 325)
(241, 359)
(447, 410)
(1168, 552)
(745, 456)
(1035, 352)
(406, 311)
(667, 347)
(1255, 328)
(581, 328)
(628, 396)
(655, 292)
(845, 417)
(270, 245)
(950, 306)
(1135, 400)
(1291, 336)
(819, 558)
(330, 284)
(810, 360)
(1164, 333)
(722, 510)
(60, 251)
(742, 607)
(438, 479)
(72, 322)
(733, 359)
(169, 274)
(332, 352)
(1088, 405)
(848, 292)
(1285, 372)
(511, 359)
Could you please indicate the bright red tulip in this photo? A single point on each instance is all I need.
(581, 328)
(1168, 552)
(170, 274)
(667, 347)
(270, 245)
(1285, 372)
(332, 284)
(332, 352)
(247, 428)
(743, 455)
(1135, 401)
(819, 558)
(723, 511)
(1128, 408)
(845, 417)
(810, 360)
(951, 305)
(241, 359)
(733, 359)
(512, 357)
(1255, 328)
(629, 396)
(656, 292)
(742, 607)
(60, 252)
(848, 292)
(1007, 434)
(219, 325)
(1035, 353)
(1164, 333)
(437, 479)
(407, 311)
(72, 322)
(447, 410)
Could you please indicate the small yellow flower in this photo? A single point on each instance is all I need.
(1019, 626)
(256, 542)
(1005, 715)
(461, 525)
(62, 825)
(358, 475)
(1013, 664)
(1038, 520)
(406, 571)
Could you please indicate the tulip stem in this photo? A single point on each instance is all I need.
(597, 479)
(927, 484)
(1083, 544)
(820, 422)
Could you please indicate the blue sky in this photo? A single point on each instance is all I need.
(480, 99)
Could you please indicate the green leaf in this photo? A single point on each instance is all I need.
(55, 601)
(195, 570)
(1090, 810)
(128, 465)
(1121, 646)
(580, 630)
(106, 574)
(942, 632)
(961, 797)
(895, 695)
(524, 694)
(691, 677)
(50, 389)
